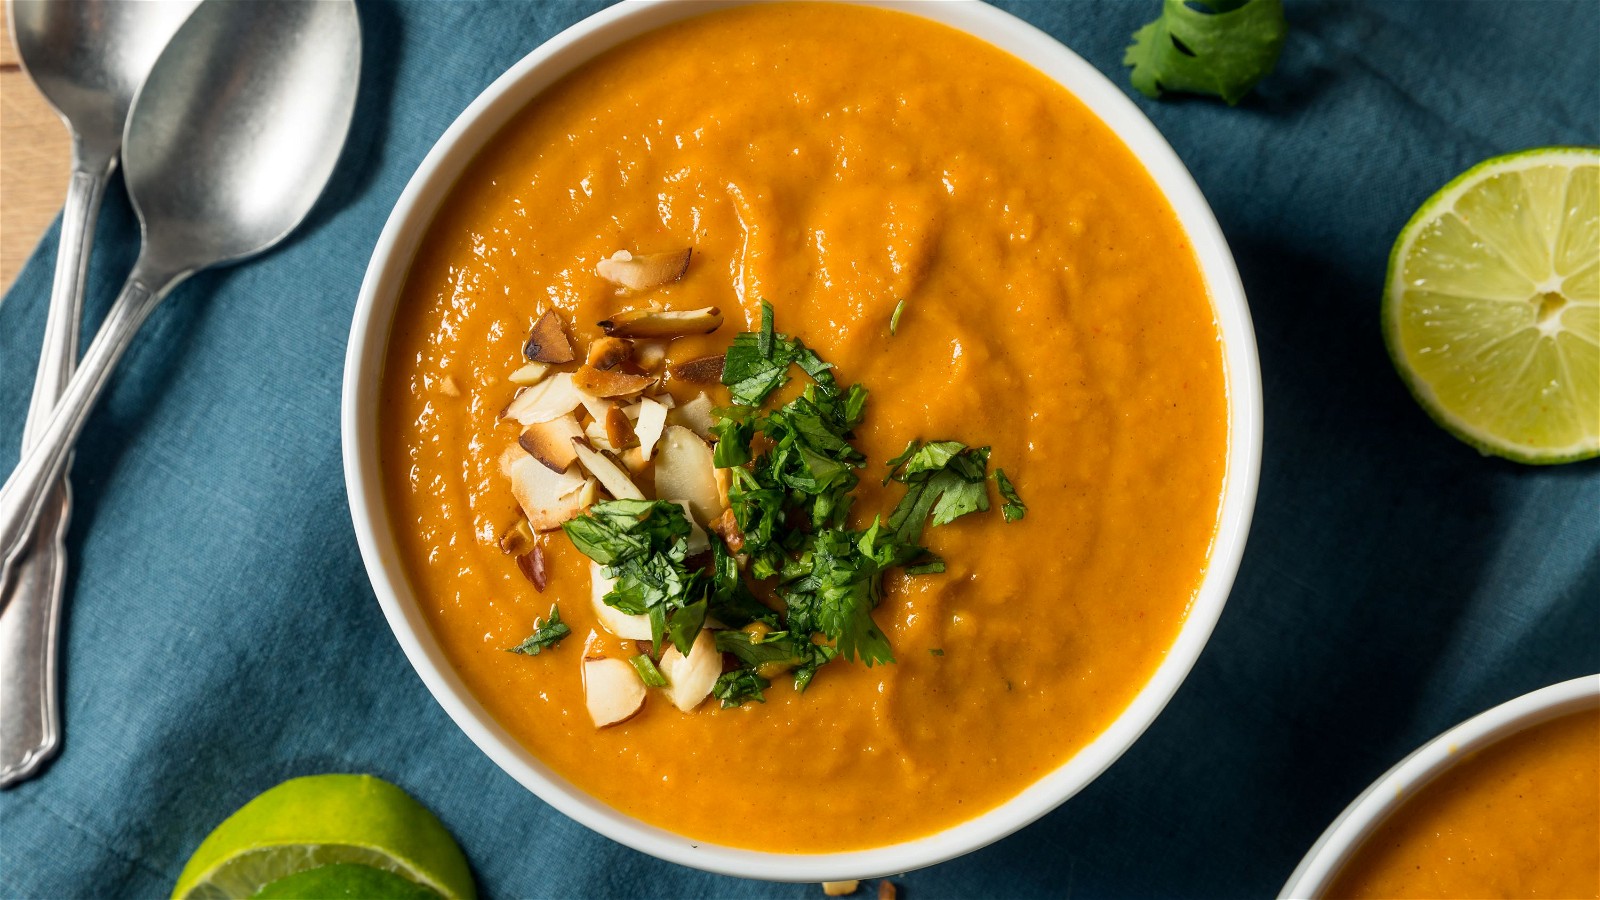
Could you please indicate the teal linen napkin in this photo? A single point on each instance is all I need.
(221, 634)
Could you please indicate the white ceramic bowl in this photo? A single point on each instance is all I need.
(369, 336)
(1316, 873)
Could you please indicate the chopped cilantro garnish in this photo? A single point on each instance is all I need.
(936, 652)
(944, 479)
(738, 687)
(894, 320)
(643, 545)
(1222, 49)
(1014, 508)
(648, 673)
(546, 634)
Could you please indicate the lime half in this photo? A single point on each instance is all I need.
(323, 820)
(1492, 306)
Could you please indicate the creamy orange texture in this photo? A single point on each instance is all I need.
(1519, 819)
(833, 160)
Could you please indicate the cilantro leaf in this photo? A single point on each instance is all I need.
(779, 647)
(894, 320)
(546, 634)
(1014, 508)
(644, 547)
(945, 480)
(1223, 50)
(738, 687)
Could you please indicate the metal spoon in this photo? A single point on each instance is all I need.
(228, 145)
(87, 58)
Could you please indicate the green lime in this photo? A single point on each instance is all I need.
(1492, 306)
(345, 881)
(316, 821)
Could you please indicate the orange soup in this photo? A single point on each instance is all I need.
(851, 166)
(1520, 818)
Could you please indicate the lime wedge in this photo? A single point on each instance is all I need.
(1492, 306)
(323, 820)
(345, 881)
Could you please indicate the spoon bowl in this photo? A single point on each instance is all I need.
(227, 125)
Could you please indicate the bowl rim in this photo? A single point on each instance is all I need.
(1345, 835)
(369, 336)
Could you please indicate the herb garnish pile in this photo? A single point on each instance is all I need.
(792, 473)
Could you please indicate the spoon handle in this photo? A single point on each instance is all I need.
(26, 491)
(31, 592)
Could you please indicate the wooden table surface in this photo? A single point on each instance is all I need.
(35, 156)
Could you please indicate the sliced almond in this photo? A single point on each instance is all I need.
(663, 323)
(609, 382)
(612, 476)
(589, 493)
(551, 442)
(624, 625)
(649, 354)
(518, 539)
(689, 678)
(644, 272)
(633, 460)
(611, 690)
(448, 387)
(697, 541)
(530, 374)
(705, 370)
(886, 890)
(685, 473)
(550, 399)
(595, 434)
(651, 422)
(695, 415)
(840, 888)
(619, 431)
(547, 498)
(727, 527)
(532, 566)
(548, 342)
(609, 352)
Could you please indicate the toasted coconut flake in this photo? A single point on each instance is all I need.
(624, 625)
(695, 415)
(551, 442)
(619, 431)
(840, 888)
(548, 342)
(663, 323)
(685, 473)
(532, 566)
(609, 382)
(518, 539)
(649, 354)
(645, 272)
(611, 690)
(612, 476)
(652, 421)
(550, 399)
(690, 678)
(727, 527)
(704, 370)
(530, 374)
(595, 434)
(609, 352)
(547, 498)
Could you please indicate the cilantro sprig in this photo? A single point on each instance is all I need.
(546, 634)
(1223, 49)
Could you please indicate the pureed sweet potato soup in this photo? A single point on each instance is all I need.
(1520, 818)
(982, 263)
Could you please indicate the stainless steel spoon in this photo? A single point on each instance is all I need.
(88, 58)
(228, 145)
